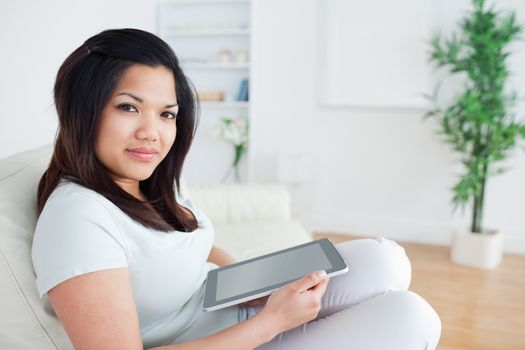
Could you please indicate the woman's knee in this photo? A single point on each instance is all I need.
(393, 320)
(415, 318)
(381, 259)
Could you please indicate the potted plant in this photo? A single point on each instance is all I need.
(478, 122)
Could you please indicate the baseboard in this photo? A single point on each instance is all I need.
(408, 230)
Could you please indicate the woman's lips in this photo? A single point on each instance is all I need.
(141, 155)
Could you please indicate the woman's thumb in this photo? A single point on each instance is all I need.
(309, 281)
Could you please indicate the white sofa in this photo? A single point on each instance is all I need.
(249, 220)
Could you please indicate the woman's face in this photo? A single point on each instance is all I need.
(137, 127)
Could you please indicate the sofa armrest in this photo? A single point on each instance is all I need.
(231, 203)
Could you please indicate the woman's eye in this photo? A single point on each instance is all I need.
(170, 115)
(127, 107)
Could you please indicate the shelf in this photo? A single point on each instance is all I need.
(214, 65)
(207, 33)
(205, 2)
(225, 104)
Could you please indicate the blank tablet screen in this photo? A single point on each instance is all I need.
(272, 270)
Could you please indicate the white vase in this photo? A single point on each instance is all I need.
(481, 250)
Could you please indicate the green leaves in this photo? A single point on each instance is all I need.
(477, 123)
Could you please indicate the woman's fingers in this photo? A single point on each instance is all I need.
(307, 282)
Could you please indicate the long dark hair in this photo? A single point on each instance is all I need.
(83, 86)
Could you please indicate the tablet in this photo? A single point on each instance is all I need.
(250, 279)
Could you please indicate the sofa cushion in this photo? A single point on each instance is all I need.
(245, 240)
(237, 203)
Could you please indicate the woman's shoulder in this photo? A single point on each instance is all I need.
(69, 197)
(75, 234)
(73, 208)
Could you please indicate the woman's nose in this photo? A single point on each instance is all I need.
(148, 128)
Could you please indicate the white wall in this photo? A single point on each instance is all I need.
(374, 171)
(35, 38)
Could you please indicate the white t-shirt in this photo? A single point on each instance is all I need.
(81, 231)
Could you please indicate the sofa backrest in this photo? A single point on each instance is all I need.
(26, 321)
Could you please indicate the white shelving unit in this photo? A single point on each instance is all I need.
(212, 40)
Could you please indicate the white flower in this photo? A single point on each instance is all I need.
(232, 130)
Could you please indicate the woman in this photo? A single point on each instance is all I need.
(123, 257)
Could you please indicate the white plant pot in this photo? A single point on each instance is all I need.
(481, 250)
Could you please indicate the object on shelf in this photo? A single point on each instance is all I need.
(186, 60)
(243, 91)
(241, 56)
(225, 56)
(211, 95)
(228, 97)
(234, 105)
(193, 29)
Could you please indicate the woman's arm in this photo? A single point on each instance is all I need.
(220, 257)
(246, 335)
(97, 311)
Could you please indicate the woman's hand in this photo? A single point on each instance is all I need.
(296, 303)
(255, 302)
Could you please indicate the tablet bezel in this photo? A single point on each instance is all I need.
(339, 266)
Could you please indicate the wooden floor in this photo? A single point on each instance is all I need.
(479, 309)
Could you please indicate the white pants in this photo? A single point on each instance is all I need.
(367, 308)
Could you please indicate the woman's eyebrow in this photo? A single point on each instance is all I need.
(141, 100)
